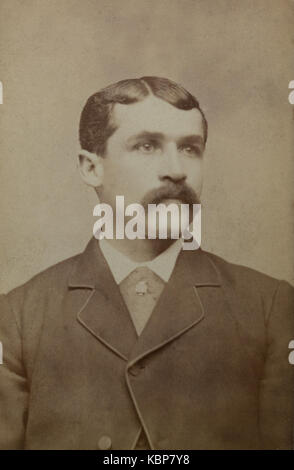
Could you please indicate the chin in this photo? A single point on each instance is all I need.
(166, 231)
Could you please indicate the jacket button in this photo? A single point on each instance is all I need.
(136, 369)
(104, 443)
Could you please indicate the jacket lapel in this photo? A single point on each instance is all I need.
(102, 310)
(180, 306)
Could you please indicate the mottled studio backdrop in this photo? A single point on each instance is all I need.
(236, 56)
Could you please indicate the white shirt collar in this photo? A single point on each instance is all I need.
(121, 266)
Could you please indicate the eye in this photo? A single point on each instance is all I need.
(146, 147)
(190, 150)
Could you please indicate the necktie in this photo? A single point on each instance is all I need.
(141, 291)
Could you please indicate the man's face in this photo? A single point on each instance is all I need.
(154, 155)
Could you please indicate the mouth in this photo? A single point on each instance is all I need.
(170, 200)
(170, 194)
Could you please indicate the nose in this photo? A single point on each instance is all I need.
(172, 169)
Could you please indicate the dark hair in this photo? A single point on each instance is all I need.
(96, 125)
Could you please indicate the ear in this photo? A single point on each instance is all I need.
(91, 168)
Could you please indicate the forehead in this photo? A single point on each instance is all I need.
(155, 115)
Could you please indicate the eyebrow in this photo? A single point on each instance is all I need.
(192, 139)
(188, 139)
(145, 135)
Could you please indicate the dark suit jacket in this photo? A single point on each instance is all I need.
(210, 370)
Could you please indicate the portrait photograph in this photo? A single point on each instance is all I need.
(147, 226)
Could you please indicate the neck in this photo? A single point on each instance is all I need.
(140, 250)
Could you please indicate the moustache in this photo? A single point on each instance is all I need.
(170, 190)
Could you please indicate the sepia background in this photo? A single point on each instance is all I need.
(236, 56)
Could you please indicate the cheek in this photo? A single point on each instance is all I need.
(140, 173)
(194, 171)
(127, 178)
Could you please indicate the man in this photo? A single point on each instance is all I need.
(136, 343)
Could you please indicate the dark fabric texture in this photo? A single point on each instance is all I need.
(209, 371)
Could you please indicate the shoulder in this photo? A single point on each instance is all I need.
(50, 281)
(250, 285)
(238, 274)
